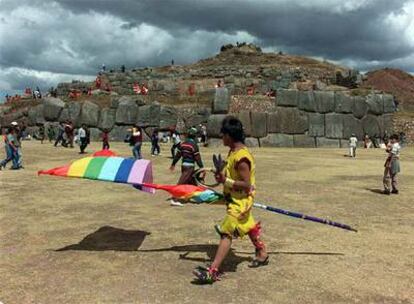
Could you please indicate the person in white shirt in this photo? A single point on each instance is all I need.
(176, 139)
(392, 165)
(83, 140)
(352, 145)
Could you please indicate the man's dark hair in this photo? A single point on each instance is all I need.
(233, 127)
(395, 136)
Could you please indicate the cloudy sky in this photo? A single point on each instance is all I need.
(43, 42)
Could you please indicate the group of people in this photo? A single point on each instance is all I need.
(36, 94)
(135, 139)
(12, 138)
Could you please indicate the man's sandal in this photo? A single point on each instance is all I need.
(206, 275)
(257, 263)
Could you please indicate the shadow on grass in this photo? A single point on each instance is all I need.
(110, 238)
(377, 191)
(230, 264)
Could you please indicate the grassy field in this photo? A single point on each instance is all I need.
(79, 241)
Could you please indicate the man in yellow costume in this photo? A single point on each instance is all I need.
(238, 178)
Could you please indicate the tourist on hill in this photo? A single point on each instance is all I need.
(353, 145)
(37, 93)
(176, 139)
(392, 166)
(190, 154)
(144, 89)
(238, 179)
(136, 142)
(155, 146)
(123, 68)
(105, 139)
(98, 82)
(83, 138)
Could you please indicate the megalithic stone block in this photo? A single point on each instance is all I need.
(52, 108)
(287, 98)
(259, 124)
(214, 125)
(221, 101)
(334, 125)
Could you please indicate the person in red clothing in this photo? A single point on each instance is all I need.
(98, 82)
(144, 90)
(105, 139)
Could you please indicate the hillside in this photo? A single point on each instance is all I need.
(396, 82)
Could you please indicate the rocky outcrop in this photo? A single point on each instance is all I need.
(107, 119)
(149, 115)
(127, 111)
(52, 107)
(214, 124)
(89, 114)
(221, 101)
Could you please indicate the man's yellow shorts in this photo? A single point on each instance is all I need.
(239, 219)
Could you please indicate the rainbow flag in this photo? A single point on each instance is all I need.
(110, 169)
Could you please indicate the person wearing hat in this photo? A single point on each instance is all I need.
(190, 154)
(352, 145)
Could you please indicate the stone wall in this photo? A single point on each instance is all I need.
(124, 112)
(311, 118)
(291, 119)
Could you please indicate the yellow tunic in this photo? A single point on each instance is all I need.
(239, 220)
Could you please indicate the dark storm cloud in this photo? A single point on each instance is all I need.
(319, 30)
(71, 37)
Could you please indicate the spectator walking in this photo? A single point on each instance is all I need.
(69, 130)
(7, 148)
(59, 138)
(83, 138)
(51, 133)
(42, 133)
(176, 139)
(352, 145)
(155, 146)
(136, 142)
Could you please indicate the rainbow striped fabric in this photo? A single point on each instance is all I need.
(111, 169)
